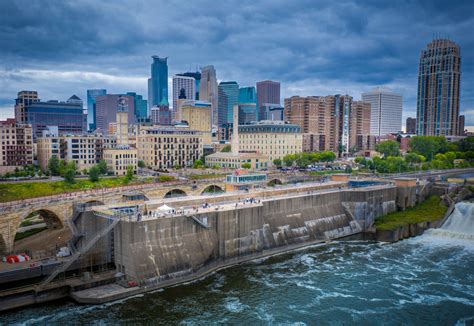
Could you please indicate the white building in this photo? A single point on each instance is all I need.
(183, 83)
(386, 111)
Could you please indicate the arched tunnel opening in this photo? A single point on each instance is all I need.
(274, 182)
(175, 193)
(41, 232)
(212, 189)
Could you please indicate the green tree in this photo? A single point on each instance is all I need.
(302, 160)
(69, 174)
(53, 165)
(216, 167)
(277, 162)
(226, 149)
(141, 164)
(414, 158)
(129, 175)
(102, 165)
(94, 173)
(289, 159)
(428, 146)
(198, 164)
(348, 169)
(246, 165)
(388, 148)
(327, 156)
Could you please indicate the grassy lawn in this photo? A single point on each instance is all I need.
(430, 210)
(29, 233)
(24, 190)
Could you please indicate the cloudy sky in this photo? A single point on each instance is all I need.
(63, 47)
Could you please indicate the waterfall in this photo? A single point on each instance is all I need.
(459, 225)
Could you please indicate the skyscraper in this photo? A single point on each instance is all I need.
(24, 99)
(68, 117)
(411, 126)
(208, 90)
(91, 106)
(141, 106)
(158, 83)
(183, 84)
(106, 110)
(247, 105)
(228, 97)
(462, 121)
(197, 81)
(268, 92)
(386, 111)
(439, 78)
(334, 122)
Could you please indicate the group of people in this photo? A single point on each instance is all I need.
(249, 200)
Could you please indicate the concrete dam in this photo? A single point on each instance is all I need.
(152, 252)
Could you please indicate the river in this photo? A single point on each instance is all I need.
(425, 280)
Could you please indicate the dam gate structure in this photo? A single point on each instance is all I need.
(153, 252)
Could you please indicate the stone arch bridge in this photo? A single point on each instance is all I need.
(56, 210)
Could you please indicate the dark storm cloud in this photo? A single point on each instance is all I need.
(312, 47)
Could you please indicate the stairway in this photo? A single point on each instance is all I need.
(78, 252)
(202, 223)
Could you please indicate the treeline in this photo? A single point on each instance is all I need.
(302, 160)
(425, 153)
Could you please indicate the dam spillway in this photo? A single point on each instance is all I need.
(154, 252)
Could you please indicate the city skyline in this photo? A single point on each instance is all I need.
(384, 51)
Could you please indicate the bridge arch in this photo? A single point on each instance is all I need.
(50, 218)
(93, 202)
(175, 193)
(212, 189)
(274, 182)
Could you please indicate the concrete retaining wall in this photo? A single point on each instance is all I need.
(157, 251)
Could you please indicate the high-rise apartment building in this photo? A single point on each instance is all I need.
(91, 106)
(208, 90)
(268, 92)
(16, 144)
(386, 111)
(439, 79)
(411, 126)
(158, 83)
(183, 85)
(106, 110)
(141, 106)
(68, 116)
(24, 99)
(335, 122)
(197, 81)
(228, 97)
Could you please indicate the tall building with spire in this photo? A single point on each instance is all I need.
(439, 79)
(208, 90)
(158, 83)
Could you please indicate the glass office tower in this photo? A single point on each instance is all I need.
(91, 106)
(158, 83)
(228, 97)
